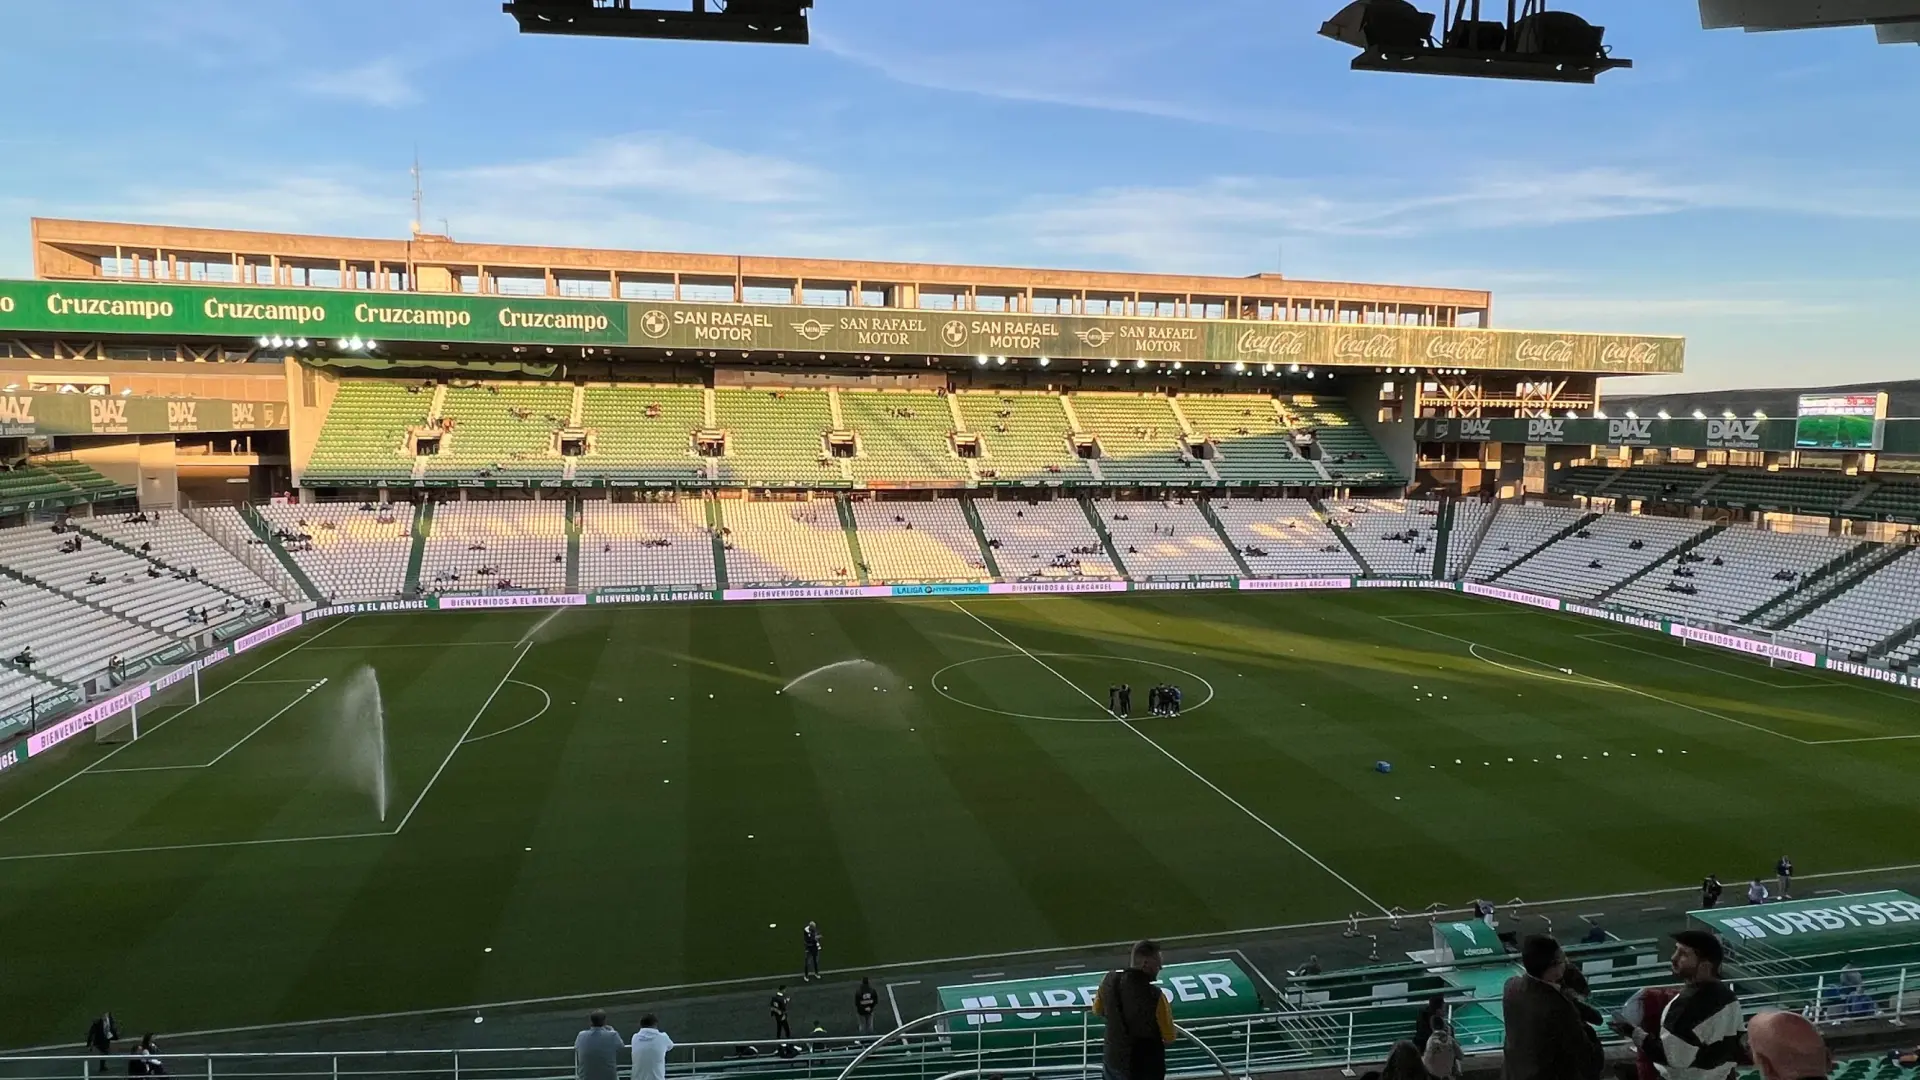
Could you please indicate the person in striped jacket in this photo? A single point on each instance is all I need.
(1697, 1036)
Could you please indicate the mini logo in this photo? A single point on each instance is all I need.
(1460, 348)
(183, 415)
(954, 333)
(1546, 429)
(1477, 430)
(107, 412)
(812, 329)
(1634, 432)
(1093, 336)
(1375, 347)
(1632, 354)
(1557, 352)
(655, 324)
(1739, 434)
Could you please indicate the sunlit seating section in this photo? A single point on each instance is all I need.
(1140, 438)
(1469, 515)
(648, 543)
(1348, 452)
(1600, 555)
(503, 430)
(1284, 538)
(641, 433)
(70, 640)
(172, 540)
(1166, 539)
(1024, 436)
(1515, 531)
(1732, 574)
(1396, 537)
(776, 437)
(365, 433)
(19, 691)
(484, 546)
(113, 579)
(784, 542)
(1857, 620)
(348, 553)
(1049, 538)
(1252, 444)
(918, 541)
(903, 436)
(76, 474)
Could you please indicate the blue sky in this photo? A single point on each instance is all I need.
(1756, 193)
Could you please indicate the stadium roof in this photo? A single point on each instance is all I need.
(1893, 21)
(1903, 399)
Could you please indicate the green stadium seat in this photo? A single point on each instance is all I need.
(1023, 436)
(503, 429)
(631, 446)
(365, 432)
(902, 436)
(776, 437)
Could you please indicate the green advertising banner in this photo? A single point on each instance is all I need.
(88, 414)
(1212, 988)
(1876, 920)
(237, 311)
(1468, 940)
(1710, 434)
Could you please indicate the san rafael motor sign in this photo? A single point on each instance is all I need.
(1020, 1008)
(1828, 924)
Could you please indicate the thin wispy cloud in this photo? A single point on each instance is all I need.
(384, 83)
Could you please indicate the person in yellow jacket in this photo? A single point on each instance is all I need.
(1139, 1020)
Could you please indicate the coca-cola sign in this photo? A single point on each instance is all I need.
(1633, 354)
(1553, 352)
(1374, 348)
(1274, 344)
(1460, 348)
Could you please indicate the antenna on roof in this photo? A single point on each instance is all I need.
(417, 218)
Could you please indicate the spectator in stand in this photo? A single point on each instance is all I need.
(1698, 1034)
(1643, 1010)
(145, 1060)
(1441, 1054)
(1403, 1063)
(1546, 1039)
(1432, 1015)
(1710, 890)
(1756, 892)
(1784, 871)
(1787, 1047)
(1139, 1021)
(596, 1050)
(650, 1046)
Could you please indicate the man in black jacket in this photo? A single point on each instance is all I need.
(1700, 1029)
(1139, 1022)
(100, 1036)
(1546, 1038)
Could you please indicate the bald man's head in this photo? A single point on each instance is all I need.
(1786, 1047)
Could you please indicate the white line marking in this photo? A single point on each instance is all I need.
(190, 847)
(312, 687)
(1601, 639)
(539, 626)
(991, 975)
(1070, 967)
(444, 762)
(898, 1020)
(1253, 967)
(1867, 738)
(1288, 840)
(108, 756)
(1607, 684)
(523, 723)
(415, 645)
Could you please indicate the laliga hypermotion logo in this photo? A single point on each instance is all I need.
(655, 324)
(1093, 336)
(954, 333)
(812, 329)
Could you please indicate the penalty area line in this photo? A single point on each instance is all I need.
(448, 760)
(1188, 769)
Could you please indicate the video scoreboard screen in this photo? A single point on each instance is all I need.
(1841, 421)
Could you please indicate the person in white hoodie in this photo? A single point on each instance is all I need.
(650, 1046)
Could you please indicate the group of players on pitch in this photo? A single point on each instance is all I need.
(1162, 700)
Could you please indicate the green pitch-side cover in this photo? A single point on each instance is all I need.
(1821, 925)
(1197, 991)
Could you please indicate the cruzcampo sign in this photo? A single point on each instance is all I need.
(80, 308)
(1829, 924)
(1020, 1007)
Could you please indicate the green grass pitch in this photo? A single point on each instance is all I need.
(631, 798)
